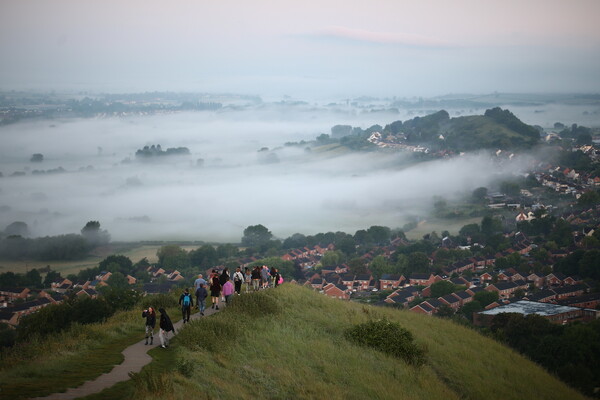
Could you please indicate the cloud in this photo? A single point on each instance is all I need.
(393, 38)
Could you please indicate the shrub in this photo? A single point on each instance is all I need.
(387, 337)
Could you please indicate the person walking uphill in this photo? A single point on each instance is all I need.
(150, 316)
(201, 295)
(166, 326)
(186, 303)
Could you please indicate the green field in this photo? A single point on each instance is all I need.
(134, 252)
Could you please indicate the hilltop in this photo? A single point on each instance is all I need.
(290, 343)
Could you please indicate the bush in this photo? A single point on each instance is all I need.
(387, 337)
(152, 383)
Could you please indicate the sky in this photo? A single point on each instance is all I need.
(308, 49)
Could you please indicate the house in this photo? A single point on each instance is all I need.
(364, 281)
(537, 280)
(424, 308)
(569, 291)
(348, 280)
(555, 279)
(131, 280)
(9, 317)
(336, 291)
(464, 296)
(61, 285)
(402, 296)
(591, 300)
(12, 294)
(451, 300)
(103, 276)
(486, 277)
(316, 283)
(421, 279)
(507, 276)
(543, 296)
(504, 289)
(88, 292)
(390, 281)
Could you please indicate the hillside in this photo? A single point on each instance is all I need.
(496, 129)
(290, 343)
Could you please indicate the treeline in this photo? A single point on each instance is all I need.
(15, 246)
(157, 151)
(570, 351)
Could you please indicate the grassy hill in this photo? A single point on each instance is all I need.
(290, 343)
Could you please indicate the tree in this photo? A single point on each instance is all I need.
(442, 288)
(479, 193)
(172, 256)
(116, 262)
(37, 157)
(486, 298)
(379, 234)
(357, 266)
(94, 235)
(445, 311)
(330, 258)
(256, 236)
(470, 308)
(204, 256)
(510, 188)
(347, 245)
(117, 280)
(50, 277)
(417, 262)
(379, 266)
(17, 228)
(589, 198)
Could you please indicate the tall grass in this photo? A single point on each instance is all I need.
(296, 349)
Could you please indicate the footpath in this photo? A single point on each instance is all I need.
(135, 358)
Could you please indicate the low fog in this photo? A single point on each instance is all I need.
(226, 184)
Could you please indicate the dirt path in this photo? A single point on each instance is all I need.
(135, 358)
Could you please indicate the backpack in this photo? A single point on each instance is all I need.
(186, 300)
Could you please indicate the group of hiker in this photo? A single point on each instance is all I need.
(221, 290)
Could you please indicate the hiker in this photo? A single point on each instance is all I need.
(248, 276)
(228, 291)
(166, 326)
(150, 316)
(224, 278)
(199, 282)
(215, 290)
(186, 302)
(201, 295)
(255, 278)
(273, 276)
(264, 275)
(276, 277)
(238, 279)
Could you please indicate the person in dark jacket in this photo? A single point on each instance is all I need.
(186, 302)
(215, 290)
(201, 295)
(150, 316)
(166, 326)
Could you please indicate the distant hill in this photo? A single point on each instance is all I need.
(290, 343)
(496, 129)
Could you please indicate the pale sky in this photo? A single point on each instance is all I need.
(308, 48)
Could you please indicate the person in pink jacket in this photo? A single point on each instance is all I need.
(228, 290)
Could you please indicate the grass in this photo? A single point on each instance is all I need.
(56, 363)
(289, 343)
(135, 254)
